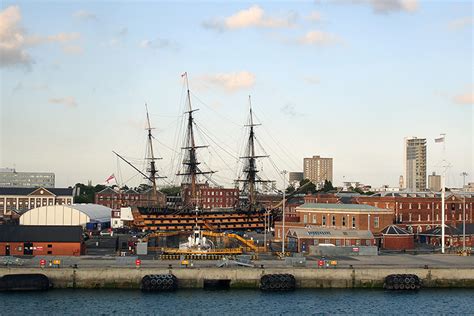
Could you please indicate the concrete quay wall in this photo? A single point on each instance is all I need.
(126, 278)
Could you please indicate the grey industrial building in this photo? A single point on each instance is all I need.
(12, 178)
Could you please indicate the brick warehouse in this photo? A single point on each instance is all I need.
(116, 199)
(41, 240)
(418, 212)
(337, 216)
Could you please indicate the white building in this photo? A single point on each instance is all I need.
(121, 217)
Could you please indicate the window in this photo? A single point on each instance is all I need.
(376, 221)
(460, 217)
(353, 222)
(428, 205)
(324, 220)
(437, 217)
(333, 220)
(314, 219)
(358, 242)
(344, 221)
(437, 206)
(305, 218)
(338, 242)
(348, 242)
(419, 206)
(409, 217)
(409, 206)
(419, 217)
(367, 242)
(428, 216)
(50, 246)
(50, 252)
(401, 205)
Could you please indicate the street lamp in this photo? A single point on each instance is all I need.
(283, 224)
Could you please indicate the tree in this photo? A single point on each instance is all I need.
(86, 193)
(327, 186)
(171, 190)
(307, 186)
(290, 189)
(143, 187)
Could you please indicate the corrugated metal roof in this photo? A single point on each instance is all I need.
(96, 212)
(333, 206)
(316, 232)
(23, 233)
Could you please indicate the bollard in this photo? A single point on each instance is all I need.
(138, 262)
(42, 263)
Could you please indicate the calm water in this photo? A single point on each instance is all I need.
(242, 302)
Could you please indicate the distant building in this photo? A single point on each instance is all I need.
(415, 164)
(434, 182)
(12, 178)
(469, 187)
(317, 170)
(294, 178)
(115, 199)
(209, 197)
(15, 201)
(401, 182)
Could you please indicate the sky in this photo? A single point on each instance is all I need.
(347, 79)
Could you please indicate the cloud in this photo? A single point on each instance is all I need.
(73, 49)
(290, 110)
(117, 39)
(231, 81)
(460, 23)
(387, 6)
(251, 17)
(314, 16)
(159, 43)
(14, 40)
(84, 15)
(312, 80)
(318, 38)
(465, 99)
(67, 101)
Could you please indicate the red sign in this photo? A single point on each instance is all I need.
(320, 263)
(355, 249)
(138, 262)
(42, 262)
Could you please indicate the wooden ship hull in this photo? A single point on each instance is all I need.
(147, 219)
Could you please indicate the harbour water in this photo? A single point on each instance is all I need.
(242, 302)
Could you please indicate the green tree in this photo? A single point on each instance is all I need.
(327, 186)
(306, 187)
(171, 190)
(290, 189)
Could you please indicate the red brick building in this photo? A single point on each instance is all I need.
(418, 212)
(115, 199)
(25, 240)
(209, 197)
(396, 238)
(337, 216)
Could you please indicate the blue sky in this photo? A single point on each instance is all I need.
(341, 79)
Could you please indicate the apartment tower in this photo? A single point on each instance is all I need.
(415, 164)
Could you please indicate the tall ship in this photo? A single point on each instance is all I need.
(201, 205)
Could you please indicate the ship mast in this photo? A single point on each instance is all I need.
(190, 161)
(153, 173)
(250, 168)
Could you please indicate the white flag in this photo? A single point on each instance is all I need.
(439, 140)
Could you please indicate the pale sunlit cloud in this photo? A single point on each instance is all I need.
(252, 17)
(67, 101)
(314, 16)
(465, 98)
(316, 37)
(14, 40)
(386, 6)
(231, 82)
(460, 23)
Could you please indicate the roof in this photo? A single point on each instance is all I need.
(27, 191)
(394, 230)
(448, 231)
(96, 212)
(469, 228)
(22, 233)
(313, 232)
(340, 206)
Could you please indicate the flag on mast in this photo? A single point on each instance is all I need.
(439, 139)
(110, 178)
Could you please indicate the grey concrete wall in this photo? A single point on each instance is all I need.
(247, 277)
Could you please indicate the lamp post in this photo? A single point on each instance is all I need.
(283, 224)
(464, 225)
